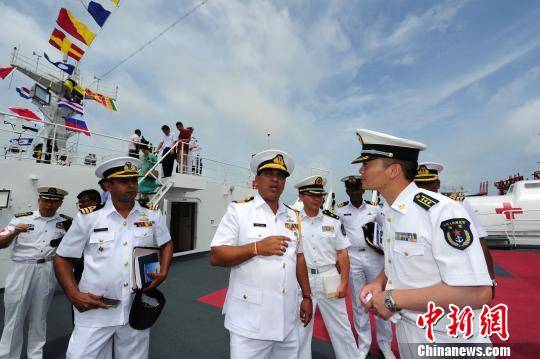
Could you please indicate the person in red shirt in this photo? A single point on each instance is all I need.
(184, 136)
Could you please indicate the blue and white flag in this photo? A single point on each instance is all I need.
(24, 92)
(67, 68)
(78, 108)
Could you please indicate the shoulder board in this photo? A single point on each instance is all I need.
(456, 197)
(343, 204)
(150, 206)
(289, 207)
(90, 209)
(370, 203)
(65, 216)
(23, 214)
(245, 200)
(425, 201)
(330, 213)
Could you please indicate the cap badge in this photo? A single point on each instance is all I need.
(279, 160)
(318, 181)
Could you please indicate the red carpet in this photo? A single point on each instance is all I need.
(521, 293)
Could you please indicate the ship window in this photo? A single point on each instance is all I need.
(532, 185)
(510, 189)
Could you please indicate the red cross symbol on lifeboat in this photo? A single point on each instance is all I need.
(508, 211)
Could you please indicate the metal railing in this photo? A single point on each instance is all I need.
(522, 227)
(80, 150)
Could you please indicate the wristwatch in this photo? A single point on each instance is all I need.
(390, 303)
(307, 296)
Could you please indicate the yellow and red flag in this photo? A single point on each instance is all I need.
(74, 27)
(61, 42)
(102, 99)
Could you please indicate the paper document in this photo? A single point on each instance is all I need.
(330, 284)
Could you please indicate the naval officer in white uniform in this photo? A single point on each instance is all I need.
(427, 177)
(106, 235)
(260, 239)
(325, 249)
(30, 283)
(431, 247)
(358, 217)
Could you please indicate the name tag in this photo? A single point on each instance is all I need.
(259, 225)
(404, 236)
(347, 214)
(101, 229)
(143, 224)
(327, 228)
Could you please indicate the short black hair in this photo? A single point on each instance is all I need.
(179, 124)
(90, 193)
(165, 127)
(138, 132)
(409, 168)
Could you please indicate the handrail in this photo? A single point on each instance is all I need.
(510, 223)
(157, 163)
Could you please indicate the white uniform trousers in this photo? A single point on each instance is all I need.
(89, 342)
(336, 321)
(247, 348)
(365, 267)
(29, 291)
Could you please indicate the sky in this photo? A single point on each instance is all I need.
(462, 77)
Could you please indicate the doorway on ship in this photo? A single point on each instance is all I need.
(183, 216)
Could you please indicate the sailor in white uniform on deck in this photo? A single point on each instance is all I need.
(367, 260)
(30, 283)
(260, 239)
(106, 235)
(431, 247)
(325, 249)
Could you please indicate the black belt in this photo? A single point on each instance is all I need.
(359, 249)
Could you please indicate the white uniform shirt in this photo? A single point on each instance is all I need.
(418, 255)
(36, 243)
(106, 239)
(134, 138)
(479, 227)
(262, 301)
(355, 218)
(323, 237)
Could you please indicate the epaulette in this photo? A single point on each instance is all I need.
(245, 200)
(425, 201)
(456, 197)
(91, 209)
(150, 206)
(289, 207)
(330, 213)
(343, 204)
(23, 214)
(65, 216)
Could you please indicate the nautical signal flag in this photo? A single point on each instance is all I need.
(74, 27)
(78, 108)
(24, 92)
(102, 99)
(61, 42)
(116, 2)
(76, 125)
(5, 71)
(98, 12)
(26, 113)
(67, 68)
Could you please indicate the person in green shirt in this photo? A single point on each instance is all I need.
(148, 160)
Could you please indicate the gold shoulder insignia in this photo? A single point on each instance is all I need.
(343, 204)
(456, 197)
(245, 200)
(330, 213)
(425, 201)
(23, 214)
(90, 209)
(150, 206)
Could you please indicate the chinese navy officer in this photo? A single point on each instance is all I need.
(431, 247)
(260, 240)
(30, 283)
(428, 177)
(325, 250)
(367, 260)
(106, 236)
